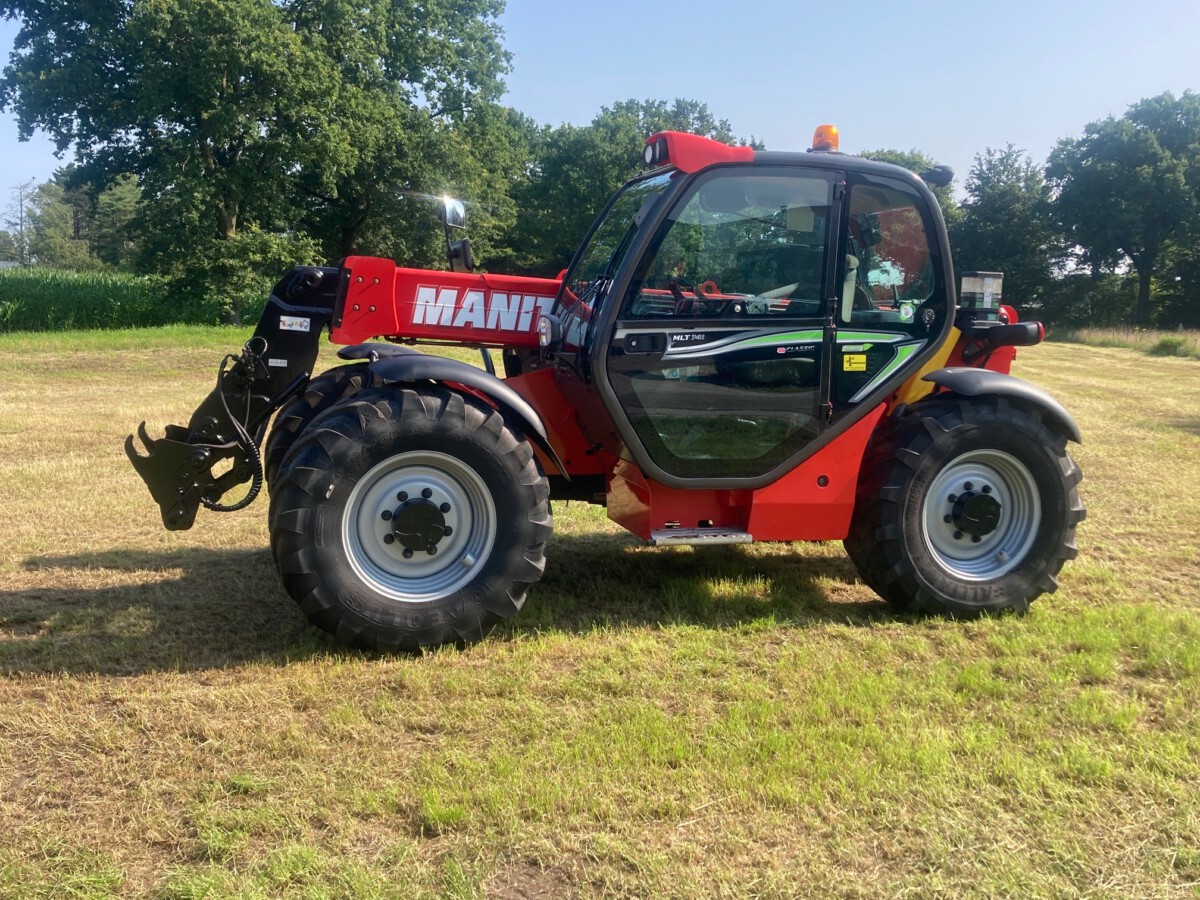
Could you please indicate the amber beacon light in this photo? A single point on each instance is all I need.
(825, 138)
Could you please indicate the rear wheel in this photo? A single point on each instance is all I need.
(966, 507)
(409, 518)
(321, 393)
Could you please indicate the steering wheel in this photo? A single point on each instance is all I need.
(702, 294)
(684, 304)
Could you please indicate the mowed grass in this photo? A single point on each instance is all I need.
(1156, 343)
(741, 722)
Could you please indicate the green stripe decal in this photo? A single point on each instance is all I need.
(787, 337)
(776, 339)
(857, 337)
(903, 354)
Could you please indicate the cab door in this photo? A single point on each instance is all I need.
(720, 356)
(892, 295)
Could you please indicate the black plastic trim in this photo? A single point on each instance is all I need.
(970, 382)
(402, 365)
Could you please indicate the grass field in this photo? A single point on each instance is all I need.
(1156, 343)
(734, 722)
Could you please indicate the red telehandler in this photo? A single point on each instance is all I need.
(747, 346)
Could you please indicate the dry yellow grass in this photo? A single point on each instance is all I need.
(735, 722)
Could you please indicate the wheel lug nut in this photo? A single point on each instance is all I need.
(975, 539)
(987, 488)
(445, 507)
(407, 554)
(953, 498)
(447, 531)
(968, 486)
(958, 535)
(947, 518)
(387, 515)
(402, 496)
(427, 493)
(389, 539)
(431, 549)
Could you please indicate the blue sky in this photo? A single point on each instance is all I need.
(948, 78)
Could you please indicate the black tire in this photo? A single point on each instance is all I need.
(965, 507)
(321, 393)
(348, 505)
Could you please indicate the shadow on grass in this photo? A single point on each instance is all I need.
(1191, 426)
(193, 609)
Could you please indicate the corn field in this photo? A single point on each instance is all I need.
(56, 300)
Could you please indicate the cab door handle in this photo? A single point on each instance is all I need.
(645, 342)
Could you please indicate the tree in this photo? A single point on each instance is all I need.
(222, 108)
(1007, 223)
(410, 76)
(17, 219)
(112, 238)
(1129, 185)
(9, 253)
(57, 237)
(576, 169)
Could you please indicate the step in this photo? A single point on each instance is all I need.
(666, 537)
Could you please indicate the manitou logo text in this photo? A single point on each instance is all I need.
(494, 311)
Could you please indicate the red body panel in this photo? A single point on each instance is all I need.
(561, 419)
(432, 305)
(640, 505)
(797, 507)
(691, 152)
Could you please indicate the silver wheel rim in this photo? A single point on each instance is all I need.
(1012, 485)
(423, 576)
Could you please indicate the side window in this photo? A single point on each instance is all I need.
(738, 244)
(888, 271)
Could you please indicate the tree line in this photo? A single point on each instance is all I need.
(216, 142)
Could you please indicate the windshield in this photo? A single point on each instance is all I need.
(586, 285)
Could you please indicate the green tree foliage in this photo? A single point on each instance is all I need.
(577, 168)
(112, 237)
(9, 252)
(236, 274)
(409, 76)
(490, 165)
(16, 218)
(58, 224)
(1130, 186)
(223, 96)
(247, 111)
(1007, 224)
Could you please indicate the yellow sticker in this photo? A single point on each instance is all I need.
(854, 362)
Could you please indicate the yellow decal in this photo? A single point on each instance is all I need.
(854, 362)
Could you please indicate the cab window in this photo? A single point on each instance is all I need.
(888, 272)
(746, 244)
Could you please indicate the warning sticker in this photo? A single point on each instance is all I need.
(854, 362)
(294, 323)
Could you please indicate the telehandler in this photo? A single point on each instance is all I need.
(747, 346)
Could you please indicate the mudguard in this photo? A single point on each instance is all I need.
(970, 382)
(391, 364)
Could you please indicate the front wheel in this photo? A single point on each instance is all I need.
(409, 518)
(967, 507)
(321, 393)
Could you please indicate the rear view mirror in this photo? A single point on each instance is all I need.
(452, 213)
